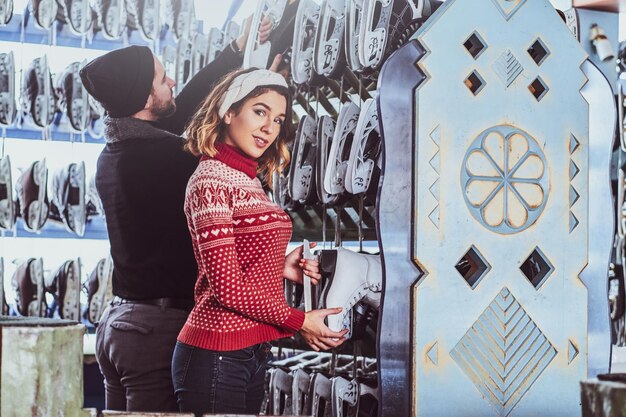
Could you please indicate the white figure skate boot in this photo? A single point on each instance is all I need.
(99, 289)
(44, 11)
(29, 288)
(7, 205)
(257, 54)
(6, 11)
(303, 49)
(364, 161)
(8, 109)
(350, 278)
(74, 99)
(340, 148)
(302, 180)
(68, 202)
(111, 17)
(77, 14)
(32, 197)
(329, 59)
(38, 98)
(64, 285)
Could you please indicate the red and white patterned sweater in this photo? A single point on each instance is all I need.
(239, 238)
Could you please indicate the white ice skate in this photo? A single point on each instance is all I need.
(364, 160)
(340, 149)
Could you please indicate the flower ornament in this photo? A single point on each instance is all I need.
(505, 180)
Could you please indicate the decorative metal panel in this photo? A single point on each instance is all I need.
(490, 110)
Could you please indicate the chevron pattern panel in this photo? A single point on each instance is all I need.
(504, 352)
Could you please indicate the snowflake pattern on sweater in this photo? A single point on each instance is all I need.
(239, 238)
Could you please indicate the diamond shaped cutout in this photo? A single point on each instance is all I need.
(475, 45)
(503, 353)
(538, 88)
(472, 267)
(538, 51)
(536, 268)
(475, 82)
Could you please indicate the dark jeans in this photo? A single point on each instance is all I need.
(134, 346)
(208, 381)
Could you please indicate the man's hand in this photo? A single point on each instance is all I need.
(295, 266)
(264, 30)
(317, 334)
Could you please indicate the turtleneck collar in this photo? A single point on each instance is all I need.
(235, 159)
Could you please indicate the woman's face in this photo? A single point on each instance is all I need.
(257, 125)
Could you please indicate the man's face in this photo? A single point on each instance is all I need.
(161, 101)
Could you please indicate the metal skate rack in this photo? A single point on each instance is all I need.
(356, 219)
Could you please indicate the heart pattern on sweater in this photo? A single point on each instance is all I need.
(250, 220)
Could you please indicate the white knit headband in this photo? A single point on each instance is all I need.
(243, 85)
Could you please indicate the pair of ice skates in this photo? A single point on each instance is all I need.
(62, 287)
(332, 161)
(321, 384)
(111, 17)
(41, 97)
(71, 200)
(332, 34)
(194, 52)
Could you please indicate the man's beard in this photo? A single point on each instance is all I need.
(164, 109)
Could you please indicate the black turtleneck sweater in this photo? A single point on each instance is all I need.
(142, 176)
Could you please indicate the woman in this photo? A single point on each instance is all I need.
(240, 238)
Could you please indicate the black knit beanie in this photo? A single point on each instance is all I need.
(121, 80)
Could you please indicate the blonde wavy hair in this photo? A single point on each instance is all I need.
(207, 127)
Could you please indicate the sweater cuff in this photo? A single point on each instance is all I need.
(295, 320)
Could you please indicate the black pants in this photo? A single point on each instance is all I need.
(209, 381)
(134, 347)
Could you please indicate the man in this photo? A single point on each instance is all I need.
(141, 178)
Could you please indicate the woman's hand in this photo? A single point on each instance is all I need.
(317, 334)
(295, 266)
